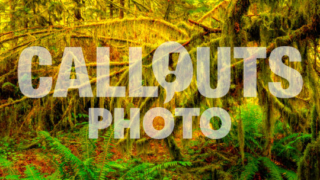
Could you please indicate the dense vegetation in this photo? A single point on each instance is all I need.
(271, 138)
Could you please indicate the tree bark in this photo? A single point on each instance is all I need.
(167, 14)
(173, 149)
(111, 9)
(12, 9)
(77, 12)
(121, 14)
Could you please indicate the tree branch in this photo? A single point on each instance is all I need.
(207, 29)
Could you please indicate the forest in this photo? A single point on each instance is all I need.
(270, 137)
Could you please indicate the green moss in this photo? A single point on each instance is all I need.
(314, 123)
(308, 167)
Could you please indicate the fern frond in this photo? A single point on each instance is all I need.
(166, 165)
(32, 174)
(248, 142)
(250, 169)
(287, 146)
(289, 175)
(139, 168)
(273, 169)
(303, 137)
(5, 163)
(81, 169)
(294, 136)
(106, 146)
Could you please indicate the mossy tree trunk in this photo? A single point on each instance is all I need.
(168, 11)
(111, 9)
(121, 15)
(309, 165)
(173, 149)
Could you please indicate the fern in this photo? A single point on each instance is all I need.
(250, 169)
(82, 170)
(287, 146)
(273, 169)
(158, 168)
(167, 165)
(150, 170)
(139, 168)
(289, 175)
(12, 177)
(5, 163)
(106, 146)
(32, 173)
(296, 136)
(54, 176)
(261, 164)
(302, 138)
(251, 116)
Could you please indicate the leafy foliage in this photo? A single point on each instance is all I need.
(271, 137)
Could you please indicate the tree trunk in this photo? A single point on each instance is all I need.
(12, 20)
(121, 14)
(77, 12)
(12, 7)
(173, 149)
(308, 167)
(111, 9)
(25, 17)
(166, 16)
